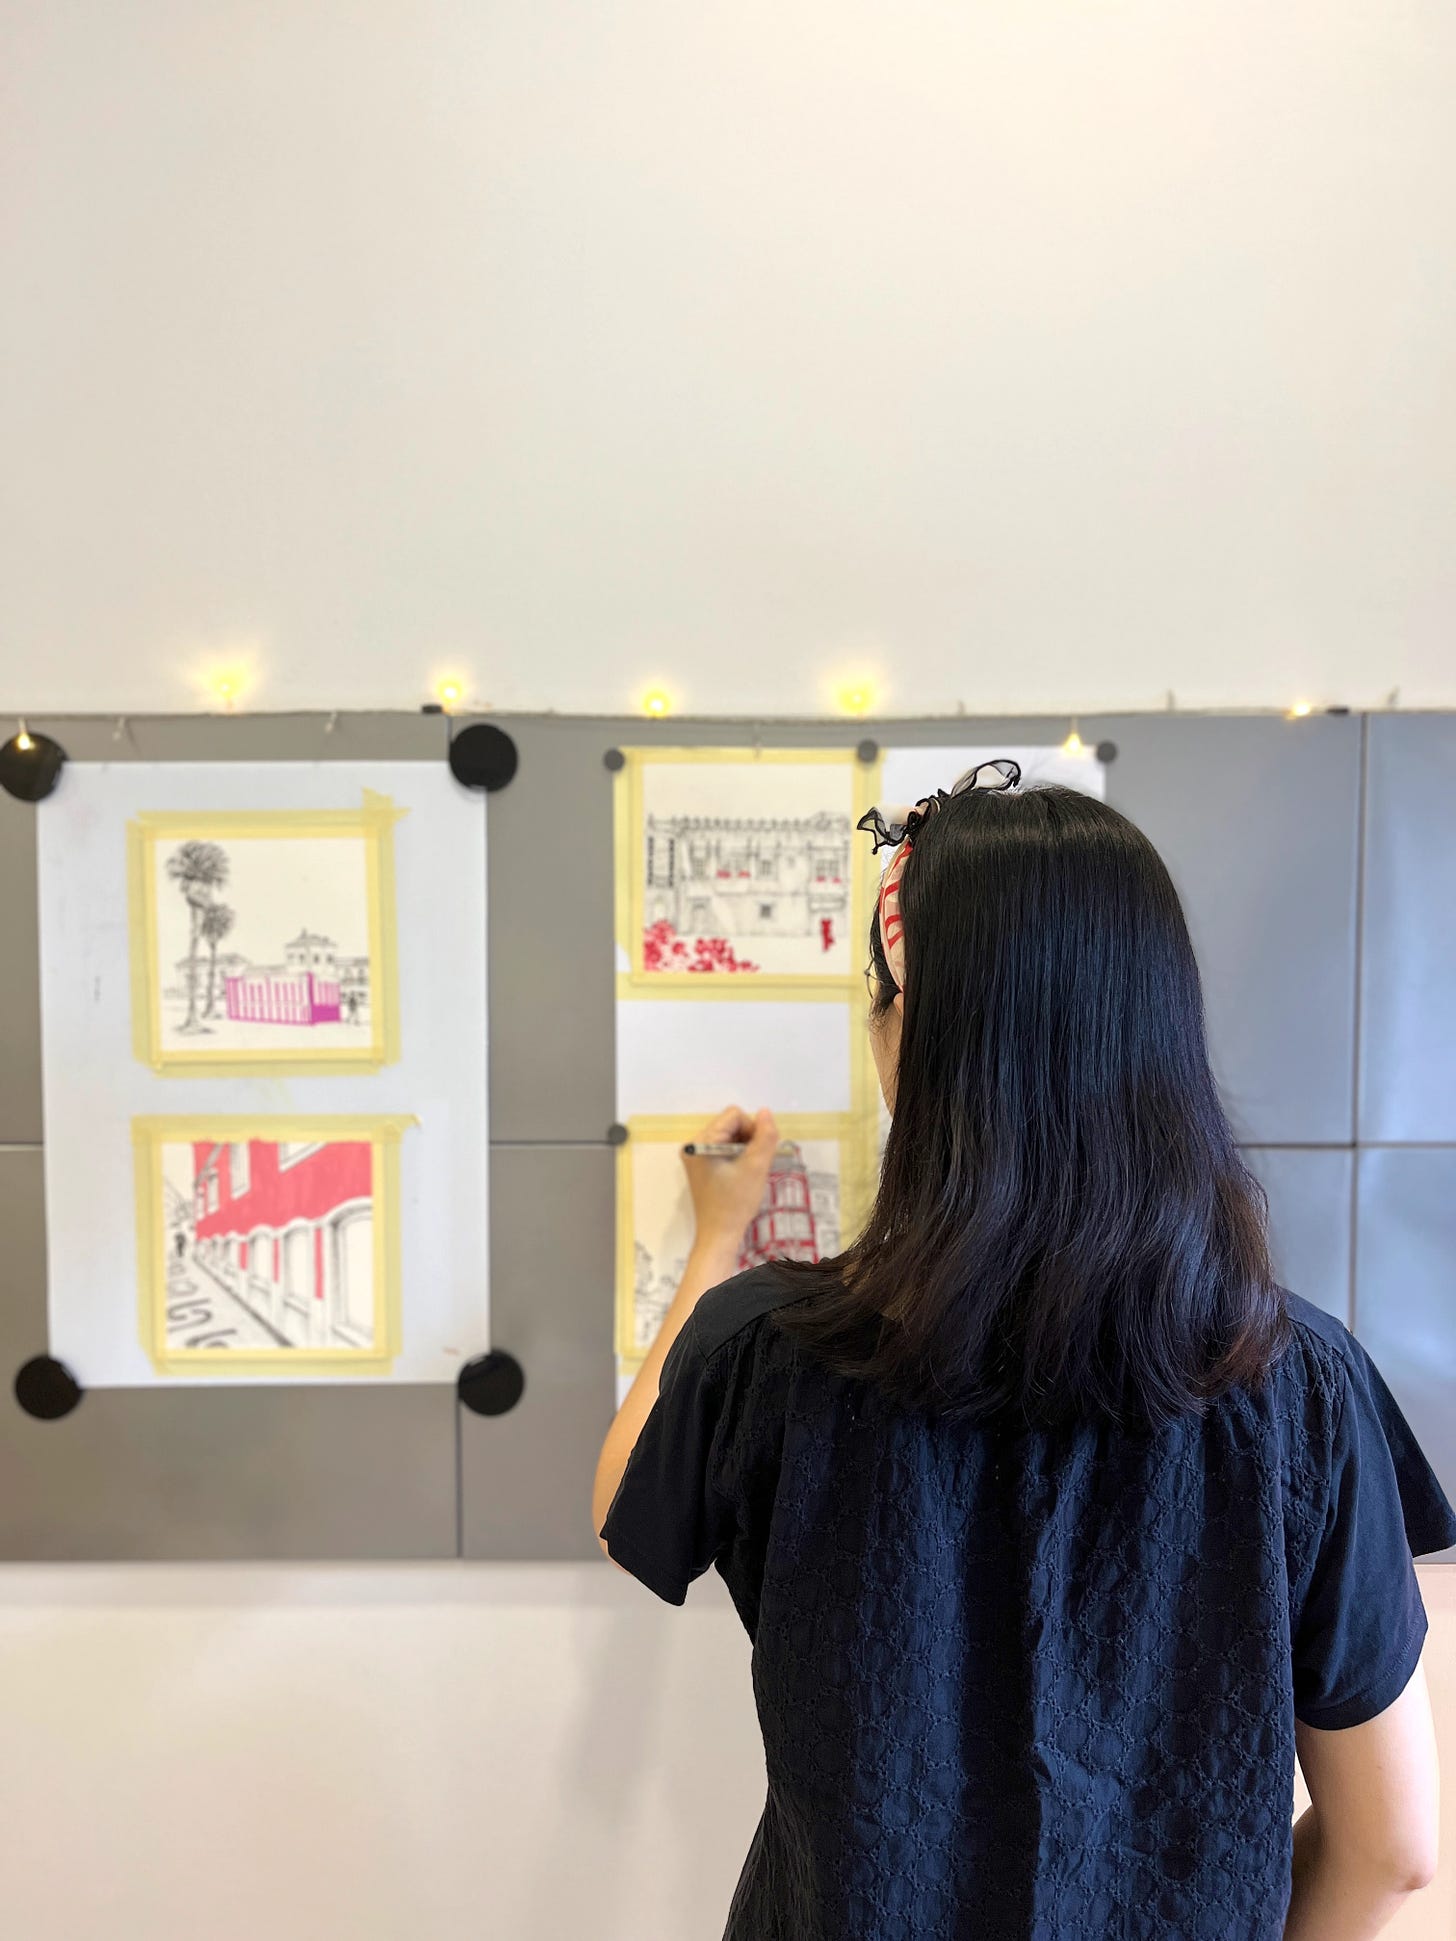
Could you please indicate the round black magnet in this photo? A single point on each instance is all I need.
(616, 1134)
(614, 759)
(491, 1384)
(868, 751)
(1106, 752)
(46, 1389)
(30, 766)
(483, 756)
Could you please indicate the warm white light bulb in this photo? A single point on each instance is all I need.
(1074, 744)
(450, 694)
(656, 703)
(855, 697)
(23, 741)
(1299, 710)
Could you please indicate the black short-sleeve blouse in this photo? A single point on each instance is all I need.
(1029, 1684)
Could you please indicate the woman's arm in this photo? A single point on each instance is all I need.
(726, 1194)
(1368, 1840)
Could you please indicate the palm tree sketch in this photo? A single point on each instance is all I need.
(217, 920)
(199, 869)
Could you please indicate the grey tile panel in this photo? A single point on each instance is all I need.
(526, 1477)
(246, 737)
(1310, 1190)
(1257, 820)
(1405, 1289)
(1408, 961)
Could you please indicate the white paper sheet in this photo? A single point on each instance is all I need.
(680, 1056)
(95, 1086)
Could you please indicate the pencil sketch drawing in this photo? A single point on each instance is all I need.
(711, 881)
(263, 944)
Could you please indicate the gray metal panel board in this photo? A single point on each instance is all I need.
(209, 1473)
(1258, 822)
(1405, 1289)
(321, 737)
(1408, 961)
(526, 1477)
(1310, 1190)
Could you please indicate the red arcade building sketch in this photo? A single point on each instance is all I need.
(271, 1244)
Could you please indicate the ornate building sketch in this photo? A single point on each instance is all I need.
(737, 864)
(725, 878)
(801, 1217)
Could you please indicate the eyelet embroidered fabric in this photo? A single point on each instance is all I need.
(1028, 1687)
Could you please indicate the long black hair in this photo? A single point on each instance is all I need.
(1064, 1227)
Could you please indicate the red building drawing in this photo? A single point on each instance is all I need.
(785, 1227)
(288, 1230)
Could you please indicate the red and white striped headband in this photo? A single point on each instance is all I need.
(891, 823)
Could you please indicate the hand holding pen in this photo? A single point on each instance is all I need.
(727, 1196)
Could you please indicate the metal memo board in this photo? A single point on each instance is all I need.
(1264, 824)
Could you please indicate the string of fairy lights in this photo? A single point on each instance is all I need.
(857, 698)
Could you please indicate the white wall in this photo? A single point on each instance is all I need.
(1038, 357)
(1033, 356)
(542, 1753)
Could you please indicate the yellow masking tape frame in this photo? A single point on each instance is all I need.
(677, 1129)
(373, 823)
(382, 1131)
(630, 866)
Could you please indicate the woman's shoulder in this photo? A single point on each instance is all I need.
(1322, 1352)
(733, 1308)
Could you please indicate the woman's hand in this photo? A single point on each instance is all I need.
(728, 1192)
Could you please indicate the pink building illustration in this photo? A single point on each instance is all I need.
(288, 1230)
(305, 989)
(786, 1226)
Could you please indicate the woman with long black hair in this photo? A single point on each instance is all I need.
(1056, 1523)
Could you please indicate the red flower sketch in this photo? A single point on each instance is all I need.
(664, 950)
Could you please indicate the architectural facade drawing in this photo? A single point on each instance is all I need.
(313, 985)
(799, 1218)
(725, 877)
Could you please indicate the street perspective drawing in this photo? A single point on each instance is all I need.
(269, 1246)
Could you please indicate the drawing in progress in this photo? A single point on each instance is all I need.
(264, 940)
(801, 1217)
(262, 1243)
(739, 867)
